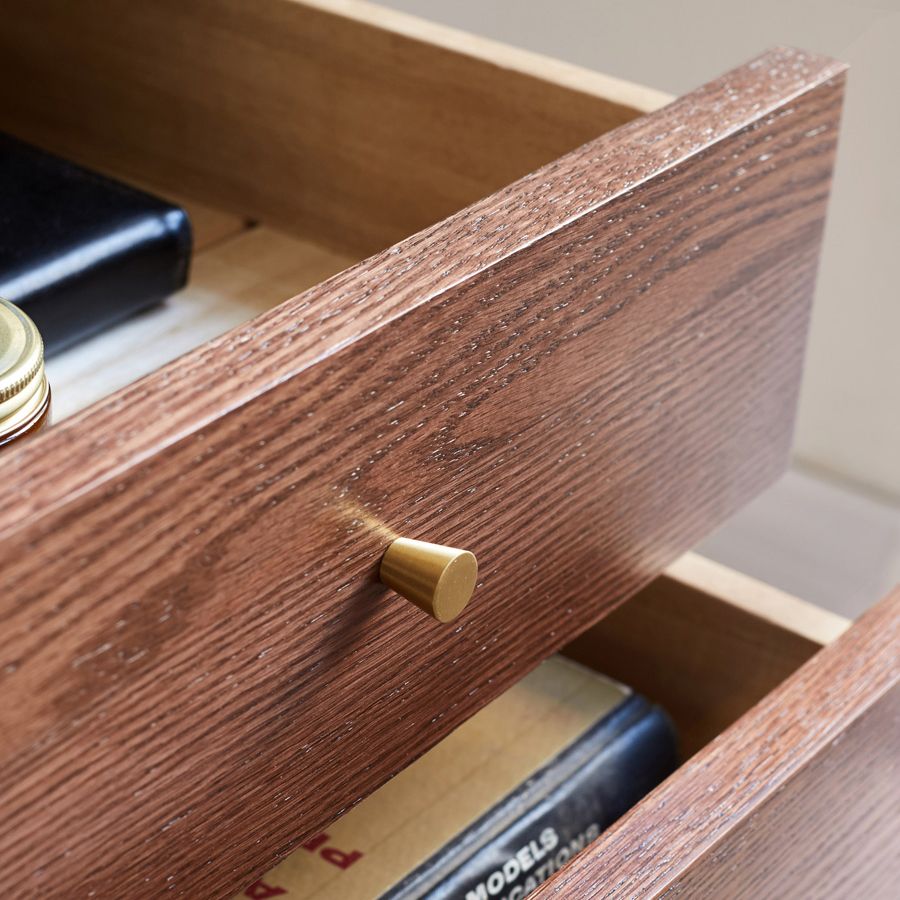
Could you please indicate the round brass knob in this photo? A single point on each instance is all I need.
(439, 580)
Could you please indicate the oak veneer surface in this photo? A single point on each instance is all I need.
(346, 123)
(576, 378)
(797, 800)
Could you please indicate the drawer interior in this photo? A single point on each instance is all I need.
(702, 641)
(706, 643)
(301, 137)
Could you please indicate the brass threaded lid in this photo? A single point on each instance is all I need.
(23, 384)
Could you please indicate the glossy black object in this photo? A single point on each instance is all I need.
(80, 251)
(535, 830)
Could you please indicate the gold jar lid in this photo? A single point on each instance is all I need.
(24, 392)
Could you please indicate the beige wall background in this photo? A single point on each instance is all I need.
(849, 424)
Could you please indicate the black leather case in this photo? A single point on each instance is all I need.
(80, 251)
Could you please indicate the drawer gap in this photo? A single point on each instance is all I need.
(706, 643)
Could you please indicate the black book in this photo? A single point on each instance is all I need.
(80, 251)
(556, 813)
(500, 805)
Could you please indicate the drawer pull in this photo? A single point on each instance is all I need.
(439, 580)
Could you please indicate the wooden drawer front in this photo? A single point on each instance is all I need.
(797, 799)
(576, 378)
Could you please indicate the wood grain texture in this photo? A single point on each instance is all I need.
(576, 378)
(340, 121)
(706, 643)
(797, 800)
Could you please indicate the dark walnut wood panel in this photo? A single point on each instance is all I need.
(346, 123)
(798, 799)
(576, 378)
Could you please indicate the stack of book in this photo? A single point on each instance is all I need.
(499, 805)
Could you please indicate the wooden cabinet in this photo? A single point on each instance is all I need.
(576, 375)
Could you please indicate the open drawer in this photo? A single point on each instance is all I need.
(576, 377)
(790, 784)
(787, 787)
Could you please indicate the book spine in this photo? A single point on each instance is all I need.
(535, 830)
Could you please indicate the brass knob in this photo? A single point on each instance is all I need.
(439, 580)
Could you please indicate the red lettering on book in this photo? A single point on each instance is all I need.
(315, 842)
(259, 890)
(339, 858)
